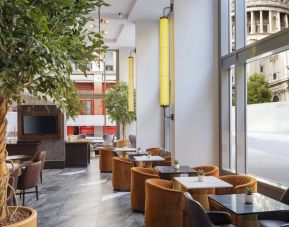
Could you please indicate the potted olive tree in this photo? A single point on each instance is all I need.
(38, 42)
(249, 195)
(116, 105)
(201, 175)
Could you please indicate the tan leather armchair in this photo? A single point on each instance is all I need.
(154, 150)
(138, 177)
(209, 170)
(239, 182)
(121, 173)
(105, 159)
(163, 205)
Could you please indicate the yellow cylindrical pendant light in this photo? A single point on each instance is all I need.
(130, 84)
(164, 62)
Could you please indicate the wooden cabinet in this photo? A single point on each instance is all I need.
(77, 154)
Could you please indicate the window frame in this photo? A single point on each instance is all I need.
(240, 57)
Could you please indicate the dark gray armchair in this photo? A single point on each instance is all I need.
(132, 140)
(199, 217)
(276, 219)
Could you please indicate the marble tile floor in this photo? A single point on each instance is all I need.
(79, 197)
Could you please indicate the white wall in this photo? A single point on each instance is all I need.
(124, 52)
(149, 112)
(196, 82)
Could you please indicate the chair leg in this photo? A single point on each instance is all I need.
(20, 194)
(41, 176)
(23, 200)
(36, 191)
(14, 201)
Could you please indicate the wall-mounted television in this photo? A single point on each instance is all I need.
(39, 123)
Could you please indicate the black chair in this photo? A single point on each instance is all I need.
(29, 179)
(199, 217)
(276, 219)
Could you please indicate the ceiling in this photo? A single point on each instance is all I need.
(121, 30)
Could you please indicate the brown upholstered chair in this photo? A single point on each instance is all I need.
(105, 159)
(209, 170)
(40, 156)
(121, 173)
(163, 205)
(138, 177)
(29, 179)
(239, 182)
(13, 181)
(154, 150)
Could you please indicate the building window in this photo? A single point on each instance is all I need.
(275, 98)
(274, 76)
(261, 69)
(86, 107)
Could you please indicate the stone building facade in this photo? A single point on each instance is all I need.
(265, 17)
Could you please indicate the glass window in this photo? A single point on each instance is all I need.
(232, 25)
(232, 121)
(92, 119)
(267, 118)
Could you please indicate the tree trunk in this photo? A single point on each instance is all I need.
(123, 131)
(3, 167)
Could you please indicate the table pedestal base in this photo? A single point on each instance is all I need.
(201, 196)
(247, 221)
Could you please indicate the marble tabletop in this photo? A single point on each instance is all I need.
(18, 157)
(124, 149)
(134, 153)
(173, 170)
(145, 158)
(209, 182)
(261, 204)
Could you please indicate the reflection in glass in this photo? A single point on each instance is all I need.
(267, 118)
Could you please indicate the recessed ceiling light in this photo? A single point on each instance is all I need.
(93, 26)
(104, 21)
(105, 32)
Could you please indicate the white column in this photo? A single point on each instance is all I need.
(278, 22)
(149, 113)
(286, 20)
(261, 21)
(197, 92)
(270, 22)
(252, 23)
